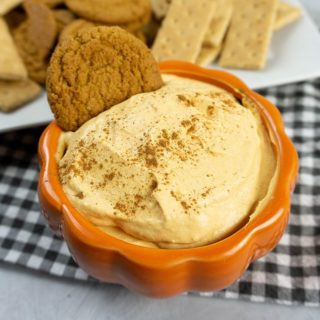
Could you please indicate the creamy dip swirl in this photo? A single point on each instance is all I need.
(179, 167)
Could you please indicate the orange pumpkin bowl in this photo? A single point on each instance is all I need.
(166, 272)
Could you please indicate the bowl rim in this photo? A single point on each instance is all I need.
(155, 258)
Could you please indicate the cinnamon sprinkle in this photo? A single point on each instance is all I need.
(174, 135)
(191, 129)
(165, 134)
(80, 195)
(210, 110)
(187, 102)
(186, 123)
(185, 205)
(110, 176)
(120, 206)
(149, 155)
(163, 143)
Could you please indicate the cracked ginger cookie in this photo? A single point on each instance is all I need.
(96, 69)
(111, 11)
(35, 37)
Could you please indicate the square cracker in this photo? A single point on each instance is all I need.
(14, 94)
(249, 35)
(208, 54)
(182, 32)
(286, 14)
(11, 65)
(7, 5)
(219, 23)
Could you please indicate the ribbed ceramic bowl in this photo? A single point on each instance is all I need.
(164, 272)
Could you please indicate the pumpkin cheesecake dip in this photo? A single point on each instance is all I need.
(155, 160)
(178, 167)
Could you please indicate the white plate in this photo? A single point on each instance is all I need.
(294, 56)
(32, 114)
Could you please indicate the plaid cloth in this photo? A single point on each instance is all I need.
(290, 274)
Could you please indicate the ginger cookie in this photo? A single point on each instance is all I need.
(80, 24)
(63, 18)
(42, 27)
(96, 69)
(111, 11)
(133, 26)
(52, 3)
(140, 35)
(74, 27)
(35, 38)
(137, 24)
(33, 58)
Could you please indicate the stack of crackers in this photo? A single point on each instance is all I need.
(30, 30)
(237, 31)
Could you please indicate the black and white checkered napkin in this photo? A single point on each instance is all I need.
(290, 274)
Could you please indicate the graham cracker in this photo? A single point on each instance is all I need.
(183, 29)
(8, 5)
(14, 94)
(249, 35)
(11, 65)
(207, 55)
(160, 7)
(219, 23)
(286, 14)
